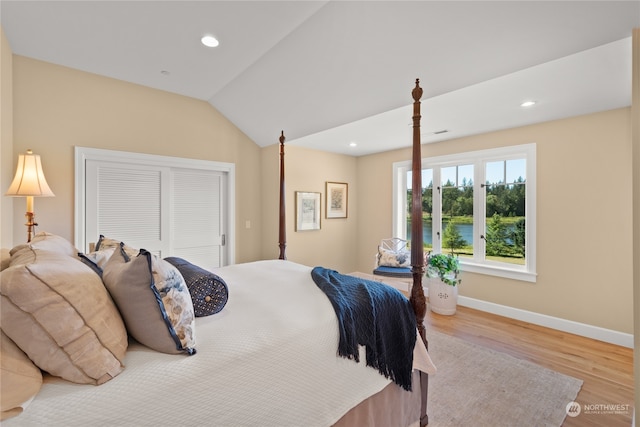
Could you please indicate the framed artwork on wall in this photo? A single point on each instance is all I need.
(337, 203)
(308, 211)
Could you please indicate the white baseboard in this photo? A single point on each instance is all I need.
(582, 329)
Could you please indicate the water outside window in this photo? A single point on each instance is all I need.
(477, 205)
(505, 199)
(427, 207)
(457, 210)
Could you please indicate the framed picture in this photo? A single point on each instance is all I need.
(337, 202)
(308, 211)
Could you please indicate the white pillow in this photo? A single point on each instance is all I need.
(389, 258)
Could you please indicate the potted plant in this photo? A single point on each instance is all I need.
(443, 281)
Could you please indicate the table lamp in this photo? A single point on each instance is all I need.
(29, 182)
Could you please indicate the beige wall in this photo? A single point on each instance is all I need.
(56, 108)
(335, 244)
(6, 141)
(589, 157)
(584, 247)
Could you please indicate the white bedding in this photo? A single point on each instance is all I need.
(255, 366)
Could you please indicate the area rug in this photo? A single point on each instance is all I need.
(477, 386)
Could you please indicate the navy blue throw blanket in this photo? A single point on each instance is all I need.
(376, 316)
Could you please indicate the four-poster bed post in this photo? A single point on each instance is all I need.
(283, 222)
(417, 298)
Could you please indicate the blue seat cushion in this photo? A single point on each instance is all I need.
(393, 271)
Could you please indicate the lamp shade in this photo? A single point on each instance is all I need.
(29, 179)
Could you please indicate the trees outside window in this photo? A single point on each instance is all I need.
(482, 208)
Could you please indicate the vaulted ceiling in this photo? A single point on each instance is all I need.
(330, 73)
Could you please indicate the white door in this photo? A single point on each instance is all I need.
(124, 202)
(168, 208)
(197, 216)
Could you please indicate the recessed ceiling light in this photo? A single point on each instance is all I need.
(209, 41)
(353, 144)
(528, 103)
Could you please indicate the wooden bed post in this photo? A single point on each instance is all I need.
(283, 222)
(418, 300)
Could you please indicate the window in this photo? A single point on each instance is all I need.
(478, 205)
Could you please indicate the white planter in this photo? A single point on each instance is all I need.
(443, 298)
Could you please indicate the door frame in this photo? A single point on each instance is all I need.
(83, 154)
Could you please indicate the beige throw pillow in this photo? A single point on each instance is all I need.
(20, 379)
(52, 242)
(57, 310)
(5, 258)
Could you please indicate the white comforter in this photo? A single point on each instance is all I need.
(267, 359)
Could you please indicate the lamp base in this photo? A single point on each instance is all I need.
(31, 224)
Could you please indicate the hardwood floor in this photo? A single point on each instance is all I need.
(606, 369)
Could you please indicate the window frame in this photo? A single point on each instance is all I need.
(479, 159)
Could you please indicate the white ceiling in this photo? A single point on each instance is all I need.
(329, 73)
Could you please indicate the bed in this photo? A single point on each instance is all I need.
(268, 357)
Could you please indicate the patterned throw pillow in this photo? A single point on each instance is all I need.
(103, 251)
(209, 293)
(153, 299)
(389, 258)
(105, 243)
(97, 259)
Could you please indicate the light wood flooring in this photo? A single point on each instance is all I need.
(606, 369)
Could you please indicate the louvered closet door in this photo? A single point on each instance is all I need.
(197, 219)
(166, 210)
(125, 202)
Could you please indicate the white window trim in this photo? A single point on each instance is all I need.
(82, 154)
(479, 158)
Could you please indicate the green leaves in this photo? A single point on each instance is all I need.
(446, 267)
